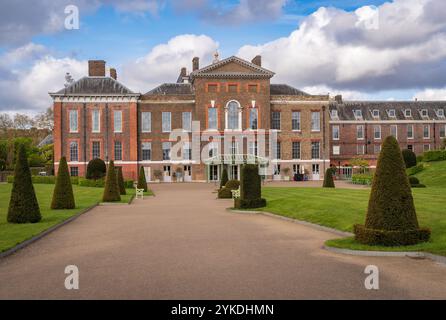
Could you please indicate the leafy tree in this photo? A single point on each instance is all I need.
(23, 205)
(111, 190)
(96, 169)
(391, 218)
(224, 178)
(410, 158)
(328, 179)
(142, 183)
(63, 197)
(121, 184)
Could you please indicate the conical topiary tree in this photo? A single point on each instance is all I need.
(63, 197)
(250, 188)
(391, 218)
(23, 205)
(328, 179)
(121, 185)
(142, 184)
(410, 158)
(224, 178)
(111, 190)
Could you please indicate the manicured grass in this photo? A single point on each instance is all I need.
(342, 208)
(13, 234)
(433, 175)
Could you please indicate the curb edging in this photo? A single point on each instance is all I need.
(44, 233)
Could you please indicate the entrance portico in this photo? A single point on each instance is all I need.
(232, 163)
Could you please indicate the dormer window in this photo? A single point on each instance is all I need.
(334, 114)
(424, 113)
(375, 113)
(440, 113)
(408, 113)
(391, 113)
(358, 114)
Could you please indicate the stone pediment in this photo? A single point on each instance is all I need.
(232, 67)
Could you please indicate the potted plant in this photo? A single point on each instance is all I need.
(286, 172)
(158, 174)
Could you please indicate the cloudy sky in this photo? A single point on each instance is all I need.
(363, 49)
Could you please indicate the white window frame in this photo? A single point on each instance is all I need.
(440, 113)
(74, 121)
(413, 132)
(298, 120)
(314, 127)
(253, 148)
(377, 131)
(391, 113)
(146, 121)
(360, 149)
(117, 121)
(396, 130)
(143, 144)
(338, 129)
(93, 121)
(444, 131)
(408, 115)
(424, 113)
(336, 150)
(334, 114)
(214, 109)
(239, 121)
(189, 124)
(428, 131)
(360, 126)
(358, 114)
(300, 150)
(373, 113)
(166, 121)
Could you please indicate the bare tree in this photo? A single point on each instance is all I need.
(22, 121)
(45, 120)
(5, 122)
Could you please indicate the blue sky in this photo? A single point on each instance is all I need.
(320, 46)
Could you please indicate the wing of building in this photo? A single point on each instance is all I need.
(98, 117)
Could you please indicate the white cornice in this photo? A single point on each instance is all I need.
(384, 121)
(299, 102)
(95, 99)
(167, 102)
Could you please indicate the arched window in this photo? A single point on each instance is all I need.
(233, 115)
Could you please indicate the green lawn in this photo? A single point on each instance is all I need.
(434, 174)
(13, 234)
(342, 208)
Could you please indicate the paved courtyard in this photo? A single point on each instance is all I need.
(183, 244)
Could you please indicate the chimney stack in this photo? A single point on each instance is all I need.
(338, 99)
(183, 72)
(96, 68)
(195, 63)
(257, 60)
(113, 73)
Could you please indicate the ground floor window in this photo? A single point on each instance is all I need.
(74, 171)
(166, 170)
(426, 147)
(315, 168)
(296, 168)
(96, 149)
(234, 173)
(118, 150)
(277, 169)
(410, 147)
(213, 173)
(187, 170)
(146, 151)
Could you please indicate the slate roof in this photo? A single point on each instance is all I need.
(172, 88)
(95, 86)
(210, 70)
(46, 141)
(284, 89)
(347, 108)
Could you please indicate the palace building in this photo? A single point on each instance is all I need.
(98, 117)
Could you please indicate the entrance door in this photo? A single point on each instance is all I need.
(167, 176)
(147, 173)
(187, 173)
(213, 173)
(316, 174)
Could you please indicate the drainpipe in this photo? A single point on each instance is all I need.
(85, 137)
(323, 138)
(106, 133)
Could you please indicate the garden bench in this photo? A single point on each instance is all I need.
(139, 193)
(235, 193)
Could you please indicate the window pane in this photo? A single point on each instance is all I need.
(96, 149)
(118, 150)
(426, 131)
(95, 121)
(166, 150)
(295, 120)
(296, 150)
(315, 121)
(360, 132)
(187, 121)
(146, 150)
(117, 116)
(278, 150)
(253, 118)
(74, 155)
(233, 115)
(73, 121)
(166, 122)
(275, 120)
(315, 150)
(146, 121)
(335, 132)
(410, 131)
(74, 171)
(212, 118)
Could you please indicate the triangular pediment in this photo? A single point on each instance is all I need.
(232, 67)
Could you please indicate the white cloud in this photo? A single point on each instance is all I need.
(164, 61)
(338, 49)
(431, 94)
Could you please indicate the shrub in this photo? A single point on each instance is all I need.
(410, 159)
(225, 192)
(96, 169)
(44, 179)
(391, 218)
(414, 180)
(99, 183)
(434, 155)
(250, 188)
(224, 178)
(414, 170)
(63, 197)
(364, 179)
(35, 160)
(142, 184)
(111, 189)
(120, 182)
(328, 179)
(2, 165)
(129, 184)
(23, 205)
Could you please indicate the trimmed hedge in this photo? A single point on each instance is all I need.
(414, 170)
(142, 183)
(63, 197)
(250, 188)
(328, 179)
(96, 169)
(391, 217)
(99, 183)
(364, 179)
(434, 155)
(410, 158)
(414, 180)
(224, 178)
(23, 205)
(120, 182)
(44, 179)
(225, 192)
(111, 189)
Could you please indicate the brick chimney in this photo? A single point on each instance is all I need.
(257, 60)
(195, 63)
(113, 73)
(338, 99)
(96, 68)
